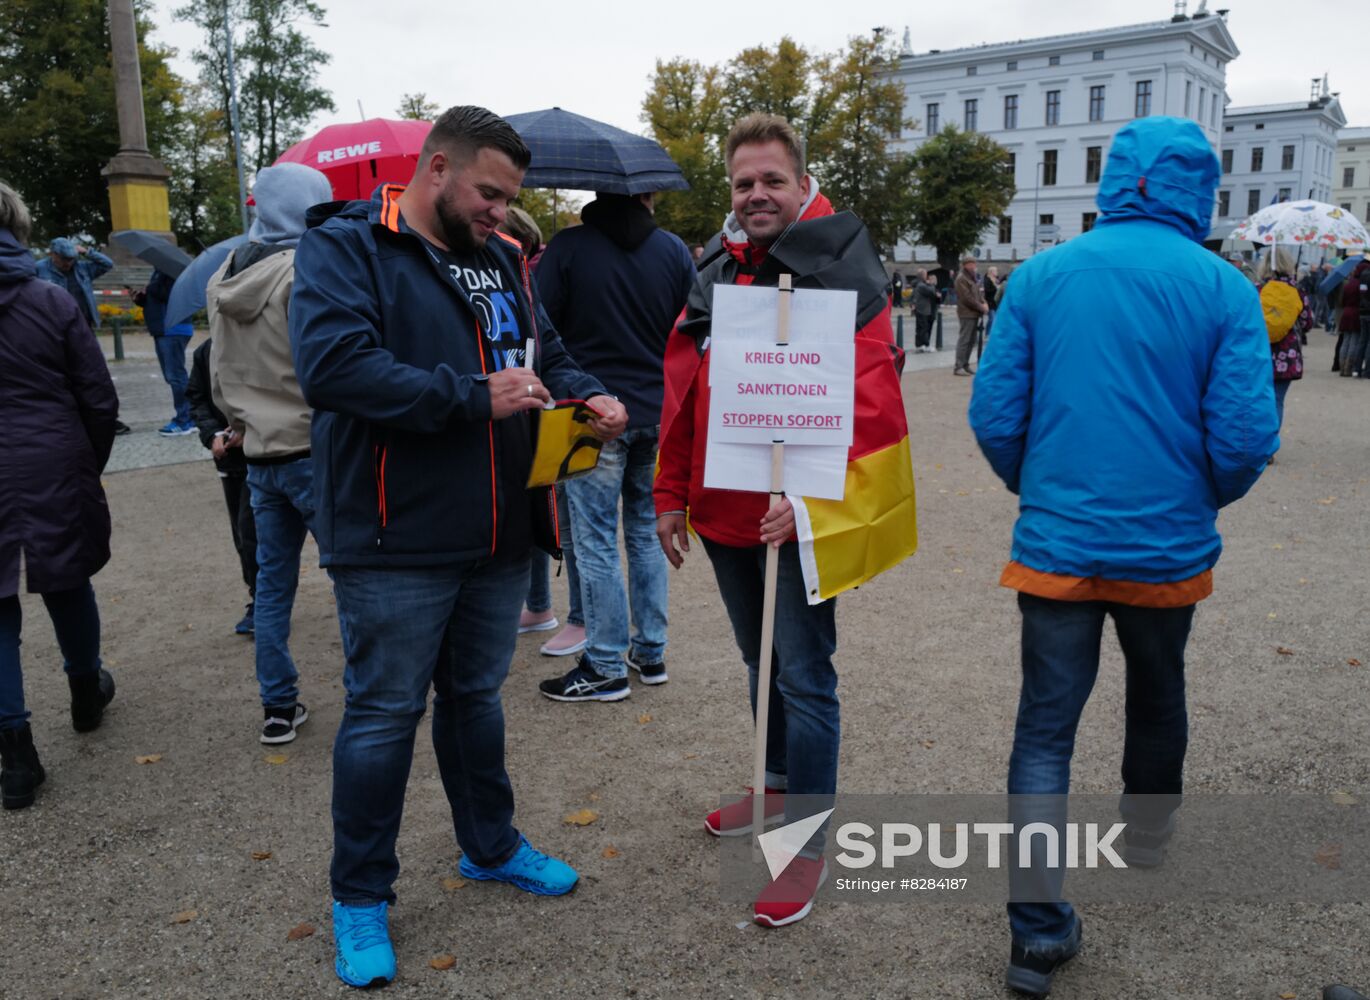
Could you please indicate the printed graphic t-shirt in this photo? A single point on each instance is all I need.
(496, 298)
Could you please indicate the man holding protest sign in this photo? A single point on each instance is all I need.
(782, 226)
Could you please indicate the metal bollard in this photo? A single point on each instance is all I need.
(939, 329)
(117, 325)
(899, 331)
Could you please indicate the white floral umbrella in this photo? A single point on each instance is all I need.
(1303, 223)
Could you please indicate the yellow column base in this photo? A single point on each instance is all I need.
(139, 203)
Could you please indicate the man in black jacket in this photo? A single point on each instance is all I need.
(227, 448)
(614, 287)
(410, 323)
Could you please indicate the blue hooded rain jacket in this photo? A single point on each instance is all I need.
(1126, 394)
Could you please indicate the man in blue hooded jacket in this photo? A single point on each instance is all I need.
(1125, 397)
(411, 320)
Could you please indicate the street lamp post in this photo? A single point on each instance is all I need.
(233, 116)
(1036, 197)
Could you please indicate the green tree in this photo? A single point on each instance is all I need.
(204, 184)
(418, 107)
(962, 185)
(276, 65)
(59, 126)
(685, 112)
(551, 214)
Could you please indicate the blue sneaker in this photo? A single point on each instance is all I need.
(530, 870)
(176, 429)
(248, 624)
(361, 935)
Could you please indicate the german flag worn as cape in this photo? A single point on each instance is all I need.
(842, 544)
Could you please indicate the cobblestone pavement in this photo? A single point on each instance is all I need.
(145, 405)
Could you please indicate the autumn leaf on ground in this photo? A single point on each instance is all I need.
(299, 932)
(442, 962)
(453, 884)
(261, 855)
(593, 796)
(1288, 996)
(184, 917)
(928, 744)
(150, 758)
(644, 718)
(276, 758)
(1329, 857)
(582, 817)
(1343, 799)
(610, 852)
(1284, 651)
(695, 756)
(1353, 662)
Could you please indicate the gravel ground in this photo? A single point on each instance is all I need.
(139, 880)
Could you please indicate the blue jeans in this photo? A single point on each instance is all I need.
(540, 580)
(405, 630)
(1281, 389)
(75, 619)
(1060, 649)
(804, 726)
(625, 469)
(282, 511)
(171, 355)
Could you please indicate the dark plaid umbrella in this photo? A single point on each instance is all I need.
(156, 249)
(571, 151)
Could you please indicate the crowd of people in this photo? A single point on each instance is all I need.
(373, 377)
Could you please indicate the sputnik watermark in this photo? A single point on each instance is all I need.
(905, 840)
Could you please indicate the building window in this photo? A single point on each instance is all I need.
(1048, 167)
(1012, 65)
(1227, 161)
(1053, 60)
(1224, 204)
(1053, 107)
(1012, 168)
(1348, 177)
(972, 114)
(1188, 96)
(1046, 220)
(1287, 158)
(1214, 118)
(1005, 229)
(1203, 101)
(933, 119)
(1346, 206)
(1253, 201)
(1094, 162)
(1285, 194)
(1098, 55)
(1259, 126)
(972, 70)
(1257, 159)
(1143, 107)
(1011, 111)
(1096, 103)
(1087, 221)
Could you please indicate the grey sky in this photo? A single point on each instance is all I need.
(595, 57)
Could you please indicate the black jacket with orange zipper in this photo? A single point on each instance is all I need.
(390, 353)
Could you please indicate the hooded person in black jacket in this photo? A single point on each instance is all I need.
(613, 288)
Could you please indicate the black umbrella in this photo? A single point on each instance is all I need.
(572, 151)
(154, 248)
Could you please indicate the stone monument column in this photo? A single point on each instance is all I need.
(137, 179)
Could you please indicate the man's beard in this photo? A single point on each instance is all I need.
(456, 230)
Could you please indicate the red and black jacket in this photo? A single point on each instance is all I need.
(390, 354)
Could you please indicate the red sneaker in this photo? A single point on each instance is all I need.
(736, 819)
(789, 898)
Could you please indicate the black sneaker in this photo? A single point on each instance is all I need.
(649, 673)
(582, 683)
(1146, 848)
(1030, 972)
(121, 428)
(282, 721)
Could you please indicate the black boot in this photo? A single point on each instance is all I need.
(90, 693)
(20, 772)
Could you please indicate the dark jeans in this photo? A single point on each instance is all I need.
(1281, 390)
(922, 325)
(1060, 650)
(75, 619)
(283, 511)
(244, 529)
(804, 726)
(540, 576)
(965, 340)
(404, 630)
(171, 355)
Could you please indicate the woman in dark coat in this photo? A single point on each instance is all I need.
(58, 410)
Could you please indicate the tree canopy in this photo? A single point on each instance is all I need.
(961, 185)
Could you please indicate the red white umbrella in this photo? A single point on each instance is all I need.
(358, 156)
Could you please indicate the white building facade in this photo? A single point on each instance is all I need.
(1276, 152)
(1056, 103)
(1351, 172)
